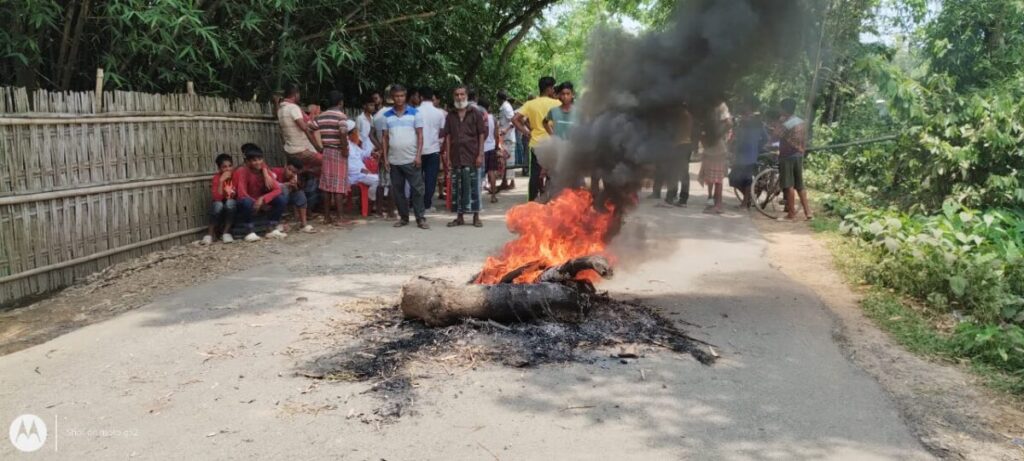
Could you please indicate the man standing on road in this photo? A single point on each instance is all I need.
(364, 123)
(465, 132)
(490, 170)
(299, 141)
(677, 168)
(507, 138)
(750, 138)
(560, 120)
(433, 123)
(403, 152)
(529, 121)
(792, 145)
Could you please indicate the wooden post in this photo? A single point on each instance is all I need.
(97, 98)
(190, 88)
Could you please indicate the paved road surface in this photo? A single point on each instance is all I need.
(208, 372)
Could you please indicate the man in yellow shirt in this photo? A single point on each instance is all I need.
(529, 121)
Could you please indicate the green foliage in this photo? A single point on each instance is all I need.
(977, 42)
(963, 263)
(961, 260)
(249, 48)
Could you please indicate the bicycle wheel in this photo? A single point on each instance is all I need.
(766, 191)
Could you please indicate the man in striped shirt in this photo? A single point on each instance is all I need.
(333, 130)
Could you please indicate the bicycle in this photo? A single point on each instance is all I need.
(765, 189)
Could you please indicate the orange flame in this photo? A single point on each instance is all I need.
(550, 234)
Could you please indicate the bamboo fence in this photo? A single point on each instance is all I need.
(87, 181)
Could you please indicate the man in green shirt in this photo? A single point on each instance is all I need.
(560, 119)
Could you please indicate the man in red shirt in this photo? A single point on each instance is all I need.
(258, 190)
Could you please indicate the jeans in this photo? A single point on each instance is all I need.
(296, 198)
(466, 189)
(222, 212)
(481, 179)
(677, 174)
(535, 180)
(522, 151)
(431, 166)
(246, 208)
(412, 175)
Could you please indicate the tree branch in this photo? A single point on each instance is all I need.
(503, 28)
(385, 22)
(509, 47)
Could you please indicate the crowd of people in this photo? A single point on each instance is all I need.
(730, 148)
(396, 151)
(402, 146)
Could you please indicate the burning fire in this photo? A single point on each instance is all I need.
(550, 234)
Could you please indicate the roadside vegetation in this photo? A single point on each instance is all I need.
(933, 220)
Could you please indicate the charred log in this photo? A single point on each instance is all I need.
(441, 303)
(568, 271)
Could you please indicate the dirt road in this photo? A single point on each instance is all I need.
(208, 371)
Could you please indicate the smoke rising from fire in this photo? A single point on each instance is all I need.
(629, 114)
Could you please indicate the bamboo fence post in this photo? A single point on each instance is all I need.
(97, 104)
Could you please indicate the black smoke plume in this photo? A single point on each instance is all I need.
(636, 86)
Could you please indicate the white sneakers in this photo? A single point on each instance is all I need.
(308, 229)
(226, 238)
(252, 237)
(276, 234)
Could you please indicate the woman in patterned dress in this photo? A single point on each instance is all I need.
(333, 126)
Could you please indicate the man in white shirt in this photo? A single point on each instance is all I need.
(490, 150)
(357, 155)
(364, 123)
(298, 138)
(433, 123)
(507, 136)
(378, 118)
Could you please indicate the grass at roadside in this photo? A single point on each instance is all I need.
(916, 328)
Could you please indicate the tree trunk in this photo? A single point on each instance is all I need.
(69, 65)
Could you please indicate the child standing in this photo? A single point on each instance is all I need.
(222, 210)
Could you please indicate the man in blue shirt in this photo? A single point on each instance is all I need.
(751, 137)
(403, 153)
